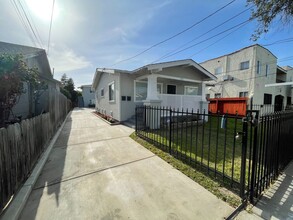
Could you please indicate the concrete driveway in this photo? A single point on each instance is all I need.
(95, 171)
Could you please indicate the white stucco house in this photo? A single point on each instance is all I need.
(177, 84)
(244, 73)
(88, 95)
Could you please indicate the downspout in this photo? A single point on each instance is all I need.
(119, 95)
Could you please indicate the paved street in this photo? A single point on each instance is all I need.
(95, 171)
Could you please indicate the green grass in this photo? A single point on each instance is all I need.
(206, 143)
(202, 178)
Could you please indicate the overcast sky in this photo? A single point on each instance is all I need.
(87, 34)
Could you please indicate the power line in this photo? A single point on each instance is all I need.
(50, 29)
(193, 45)
(175, 35)
(279, 42)
(24, 24)
(218, 40)
(196, 38)
(30, 25)
(31, 18)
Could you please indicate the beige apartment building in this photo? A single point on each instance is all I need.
(244, 73)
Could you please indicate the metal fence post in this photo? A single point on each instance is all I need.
(243, 157)
(170, 132)
(254, 157)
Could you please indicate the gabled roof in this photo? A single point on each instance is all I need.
(154, 67)
(186, 62)
(29, 53)
(9, 48)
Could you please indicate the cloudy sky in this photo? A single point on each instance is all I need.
(87, 34)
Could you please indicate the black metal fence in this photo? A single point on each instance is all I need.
(245, 154)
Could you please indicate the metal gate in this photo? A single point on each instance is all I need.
(266, 150)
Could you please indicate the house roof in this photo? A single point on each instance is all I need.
(237, 51)
(29, 53)
(154, 67)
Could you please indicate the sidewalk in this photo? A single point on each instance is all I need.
(277, 202)
(95, 171)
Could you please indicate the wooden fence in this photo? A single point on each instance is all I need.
(21, 145)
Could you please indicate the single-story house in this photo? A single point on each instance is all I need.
(88, 95)
(31, 102)
(177, 84)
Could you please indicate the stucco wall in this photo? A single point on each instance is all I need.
(88, 96)
(127, 90)
(103, 103)
(247, 80)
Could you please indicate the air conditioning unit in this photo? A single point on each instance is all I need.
(227, 78)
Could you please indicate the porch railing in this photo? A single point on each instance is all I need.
(181, 101)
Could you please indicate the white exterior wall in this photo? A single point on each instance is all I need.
(88, 95)
(103, 103)
(127, 89)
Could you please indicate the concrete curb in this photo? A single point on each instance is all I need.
(16, 206)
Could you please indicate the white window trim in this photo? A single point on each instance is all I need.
(135, 81)
(161, 85)
(113, 82)
(171, 85)
(190, 87)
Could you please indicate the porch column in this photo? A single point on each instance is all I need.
(204, 105)
(153, 117)
(152, 88)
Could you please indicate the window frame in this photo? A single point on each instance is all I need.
(102, 92)
(110, 84)
(243, 66)
(243, 94)
(190, 87)
(267, 69)
(216, 70)
(258, 67)
(267, 96)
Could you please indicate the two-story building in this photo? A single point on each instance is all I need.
(88, 96)
(244, 73)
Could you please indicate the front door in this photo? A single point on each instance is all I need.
(279, 103)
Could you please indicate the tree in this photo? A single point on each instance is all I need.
(266, 11)
(13, 73)
(68, 88)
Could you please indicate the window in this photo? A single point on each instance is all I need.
(258, 69)
(267, 99)
(267, 70)
(140, 90)
(102, 92)
(111, 91)
(219, 70)
(244, 65)
(171, 89)
(190, 90)
(208, 96)
(243, 94)
(217, 95)
(159, 88)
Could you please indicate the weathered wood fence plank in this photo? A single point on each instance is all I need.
(22, 144)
